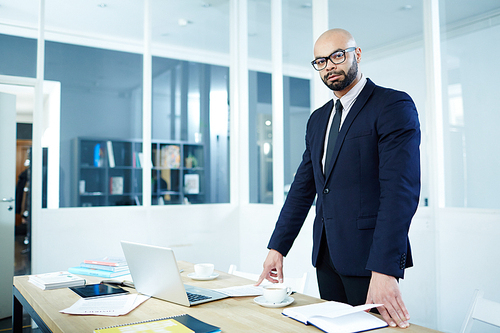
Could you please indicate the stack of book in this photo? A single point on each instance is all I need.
(56, 280)
(107, 267)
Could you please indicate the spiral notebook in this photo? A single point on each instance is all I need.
(175, 324)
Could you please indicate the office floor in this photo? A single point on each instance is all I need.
(22, 266)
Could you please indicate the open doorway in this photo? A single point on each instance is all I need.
(24, 91)
(24, 106)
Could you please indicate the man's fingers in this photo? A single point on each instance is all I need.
(383, 312)
(396, 315)
(261, 278)
(405, 312)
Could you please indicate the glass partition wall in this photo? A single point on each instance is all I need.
(296, 44)
(101, 130)
(190, 113)
(95, 53)
(470, 104)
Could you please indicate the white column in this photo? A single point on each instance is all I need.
(36, 150)
(277, 101)
(238, 83)
(434, 125)
(147, 78)
(320, 94)
(434, 103)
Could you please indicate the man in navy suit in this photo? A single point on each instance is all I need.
(362, 161)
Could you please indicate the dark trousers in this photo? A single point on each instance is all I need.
(334, 286)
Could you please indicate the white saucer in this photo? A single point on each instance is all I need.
(262, 302)
(202, 278)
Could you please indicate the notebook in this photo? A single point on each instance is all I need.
(182, 324)
(155, 273)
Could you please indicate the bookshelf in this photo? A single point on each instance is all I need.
(178, 174)
(108, 172)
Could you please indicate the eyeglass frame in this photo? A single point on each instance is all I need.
(349, 49)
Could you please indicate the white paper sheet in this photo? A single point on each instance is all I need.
(106, 306)
(246, 290)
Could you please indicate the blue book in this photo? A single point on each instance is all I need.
(96, 272)
(97, 155)
(105, 267)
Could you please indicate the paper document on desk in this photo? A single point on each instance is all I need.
(246, 290)
(106, 306)
(335, 317)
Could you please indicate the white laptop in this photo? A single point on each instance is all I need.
(155, 273)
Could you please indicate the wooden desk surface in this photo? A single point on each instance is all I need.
(236, 314)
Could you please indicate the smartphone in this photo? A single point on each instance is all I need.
(98, 290)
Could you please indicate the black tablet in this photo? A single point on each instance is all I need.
(98, 290)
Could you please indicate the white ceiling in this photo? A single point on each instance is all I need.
(373, 23)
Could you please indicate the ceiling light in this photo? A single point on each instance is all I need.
(407, 7)
(183, 22)
(102, 5)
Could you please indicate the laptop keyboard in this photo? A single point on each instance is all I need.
(196, 297)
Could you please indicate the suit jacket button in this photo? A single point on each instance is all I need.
(326, 191)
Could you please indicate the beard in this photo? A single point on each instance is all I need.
(342, 84)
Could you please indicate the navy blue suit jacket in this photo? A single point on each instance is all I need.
(367, 198)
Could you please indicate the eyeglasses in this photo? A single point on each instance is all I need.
(336, 58)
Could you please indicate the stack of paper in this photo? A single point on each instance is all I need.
(106, 306)
(107, 267)
(56, 280)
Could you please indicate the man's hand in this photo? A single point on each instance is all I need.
(384, 289)
(273, 268)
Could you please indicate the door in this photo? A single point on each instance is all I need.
(7, 193)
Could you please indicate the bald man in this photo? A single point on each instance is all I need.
(362, 161)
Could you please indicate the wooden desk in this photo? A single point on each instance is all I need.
(238, 314)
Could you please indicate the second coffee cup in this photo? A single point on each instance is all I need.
(203, 270)
(276, 293)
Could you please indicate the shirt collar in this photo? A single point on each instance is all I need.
(348, 99)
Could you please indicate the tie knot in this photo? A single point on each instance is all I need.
(338, 106)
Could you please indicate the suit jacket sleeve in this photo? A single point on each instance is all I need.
(399, 176)
(296, 206)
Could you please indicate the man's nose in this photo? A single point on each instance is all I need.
(330, 65)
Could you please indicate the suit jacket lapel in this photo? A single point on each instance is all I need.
(317, 154)
(353, 113)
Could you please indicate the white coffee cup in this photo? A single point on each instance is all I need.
(276, 293)
(204, 270)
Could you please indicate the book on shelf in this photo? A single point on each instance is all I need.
(178, 324)
(111, 154)
(56, 280)
(140, 159)
(97, 272)
(334, 317)
(105, 267)
(116, 185)
(170, 156)
(107, 261)
(98, 155)
(192, 183)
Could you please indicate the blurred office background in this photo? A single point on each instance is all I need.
(204, 105)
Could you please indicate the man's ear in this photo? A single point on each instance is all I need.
(358, 54)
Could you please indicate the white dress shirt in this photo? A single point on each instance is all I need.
(347, 101)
